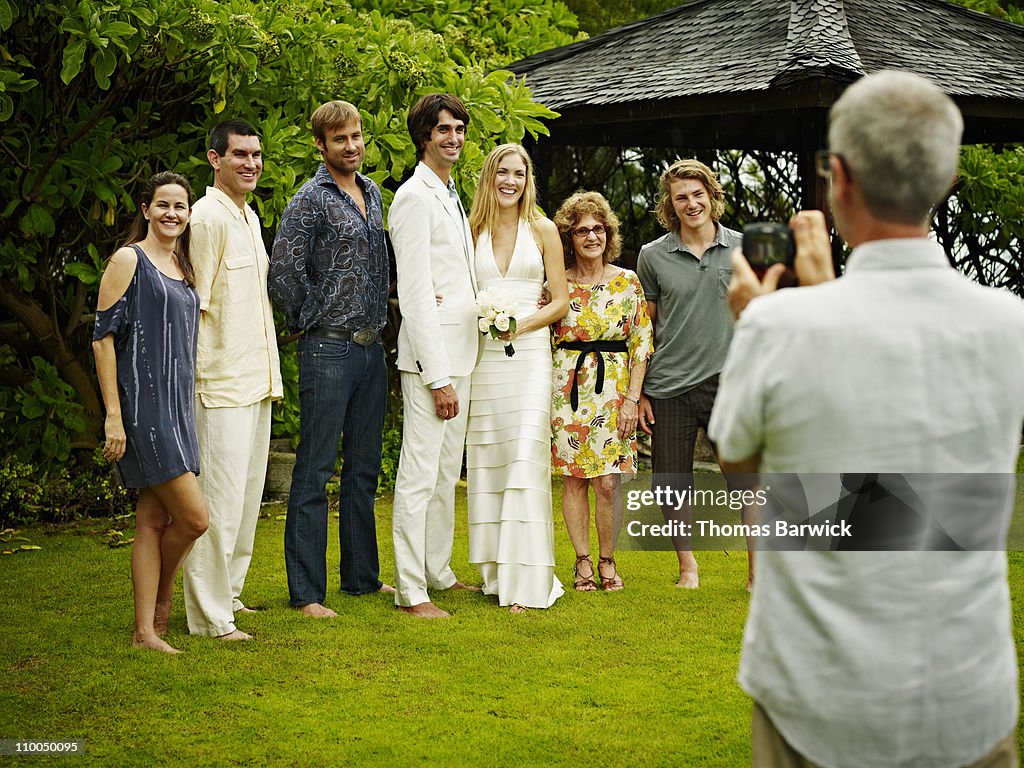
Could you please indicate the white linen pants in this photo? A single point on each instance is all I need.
(423, 522)
(233, 447)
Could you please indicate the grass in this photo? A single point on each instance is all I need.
(641, 677)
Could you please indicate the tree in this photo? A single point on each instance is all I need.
(96, 95)
(981, 224)
(597, 16)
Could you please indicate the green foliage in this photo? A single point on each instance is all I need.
(981, 224)
(992, 184)
(97, 95)
(285, 416)
(1001, 9)
(485, 33)
(392, 451)
(20, 492)
(30, 494)
(597, 16)
(988, 209)
(47, 415)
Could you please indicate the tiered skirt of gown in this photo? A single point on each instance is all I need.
(511, 532)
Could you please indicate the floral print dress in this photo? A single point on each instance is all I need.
(584, 441)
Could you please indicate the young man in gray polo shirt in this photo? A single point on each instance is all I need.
(685, 275)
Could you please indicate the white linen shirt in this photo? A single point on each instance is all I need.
(237, 362)
(902, 365)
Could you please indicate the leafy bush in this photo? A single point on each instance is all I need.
(83, 488)
(45, 416)
(285, 415)
(392, 450)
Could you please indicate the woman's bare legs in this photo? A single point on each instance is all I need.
(576, 511)
(184, 503)
(606, 487)
(169, 518)
(150, 523)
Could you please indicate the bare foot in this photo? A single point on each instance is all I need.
(688, 580)
(424, 611)
(517, 608)
(161, 616)
(317, 611)
(154, 643)
(467, 587)
(235, 635)
(750, 583)
(246, 609)
(387, 589)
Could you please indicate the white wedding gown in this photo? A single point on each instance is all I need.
(511, 533)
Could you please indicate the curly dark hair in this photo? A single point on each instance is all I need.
(581, 204)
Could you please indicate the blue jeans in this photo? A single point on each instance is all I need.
(343, 390)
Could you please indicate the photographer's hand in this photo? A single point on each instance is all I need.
(813, 262)
(813, 249)
(744, 285)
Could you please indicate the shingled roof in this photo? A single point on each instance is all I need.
(762, 73)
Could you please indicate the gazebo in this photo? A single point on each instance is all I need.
(762, 74)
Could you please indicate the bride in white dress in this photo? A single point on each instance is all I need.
(511, 531)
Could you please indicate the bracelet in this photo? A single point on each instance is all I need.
(634, 400)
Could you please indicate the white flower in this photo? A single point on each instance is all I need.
(496, 311)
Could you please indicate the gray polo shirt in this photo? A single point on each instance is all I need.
(694, 326)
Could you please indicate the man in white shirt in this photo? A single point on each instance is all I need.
(437, 350)
(237, 377)
(881, 658)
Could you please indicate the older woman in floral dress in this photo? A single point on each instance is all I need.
(601, 352)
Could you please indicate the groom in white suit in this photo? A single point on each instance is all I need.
(437, 349)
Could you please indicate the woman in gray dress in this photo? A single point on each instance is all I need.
(145, 348)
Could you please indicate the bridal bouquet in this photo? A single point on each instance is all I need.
(496, 311)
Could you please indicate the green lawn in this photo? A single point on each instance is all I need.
(640, 677)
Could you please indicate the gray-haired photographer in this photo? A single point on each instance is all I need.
(902, 365)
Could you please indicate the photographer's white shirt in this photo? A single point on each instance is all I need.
(902, 365)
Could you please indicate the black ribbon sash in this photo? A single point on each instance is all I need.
(585, 348)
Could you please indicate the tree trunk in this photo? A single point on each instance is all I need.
(56, 350)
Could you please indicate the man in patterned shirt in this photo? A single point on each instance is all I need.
(329, 275)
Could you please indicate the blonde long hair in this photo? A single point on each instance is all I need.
(484, 213)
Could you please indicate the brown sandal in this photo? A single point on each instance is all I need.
(584, 583)
(614, 582)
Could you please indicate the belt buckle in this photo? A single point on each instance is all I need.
(365, 337)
